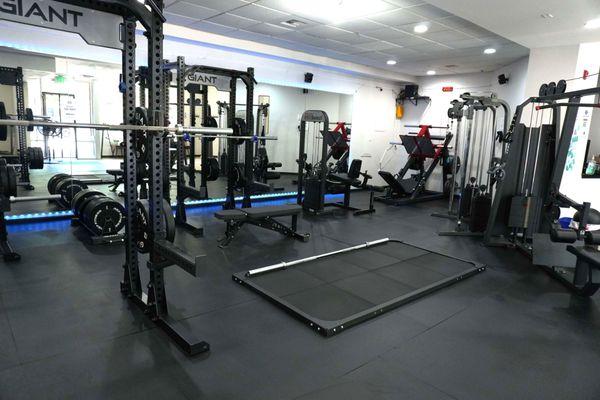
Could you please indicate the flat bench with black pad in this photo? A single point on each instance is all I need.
(263, 217)
(334, 291)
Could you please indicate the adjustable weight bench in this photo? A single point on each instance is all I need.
(263, 217)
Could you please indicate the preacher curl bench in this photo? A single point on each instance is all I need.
(263, 217)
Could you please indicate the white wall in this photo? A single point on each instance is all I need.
(549, 64)
(513, 92)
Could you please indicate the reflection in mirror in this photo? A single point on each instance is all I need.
(88, 159)
(591, 165)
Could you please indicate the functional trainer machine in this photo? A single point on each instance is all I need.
(420, 148)
(528, 201)
(477, 148)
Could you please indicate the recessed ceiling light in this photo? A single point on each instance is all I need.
(421, 28)
(547, 16)
(490, 50)
(391, 62)
(431, 72)
(592, 24)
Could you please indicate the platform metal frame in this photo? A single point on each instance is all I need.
(330, 328)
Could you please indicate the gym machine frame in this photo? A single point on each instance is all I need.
(420, 192)
(467, 109)
(540, 175)
(162, 253)
(316, 117)
(14, 77)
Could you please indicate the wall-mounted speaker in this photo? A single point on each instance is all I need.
(308, 77)
(502, 79)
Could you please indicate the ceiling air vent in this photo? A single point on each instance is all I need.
(293, 23)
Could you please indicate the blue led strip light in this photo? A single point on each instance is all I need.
(67, 214)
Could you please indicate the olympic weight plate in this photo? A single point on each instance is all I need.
(68, 188)
(543, 90)
(83, 203)
(29, 117)
(142, 230)
(551, 88)
(210, 122)
(3, 128)
(239, 129)
(80, 197)
(104, 216)
(561, 86)
(52, 182)
(36, 157)
(8, 181)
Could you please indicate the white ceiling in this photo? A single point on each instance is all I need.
(527, 26)
(451, 45)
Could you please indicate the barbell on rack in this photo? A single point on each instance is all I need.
(173, 131)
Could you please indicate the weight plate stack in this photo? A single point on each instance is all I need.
(103, 216)
(142, 237)
(80, 197)
(68, 188)
(52, 182)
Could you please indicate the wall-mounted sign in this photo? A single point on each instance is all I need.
(95, 27)
(448, 89)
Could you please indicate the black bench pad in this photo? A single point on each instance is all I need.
(273, 211)
(240, 214)
(231, 215)
(115, 172)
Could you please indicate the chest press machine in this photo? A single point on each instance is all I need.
(317, 180)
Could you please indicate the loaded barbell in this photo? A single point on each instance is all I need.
(172, 131)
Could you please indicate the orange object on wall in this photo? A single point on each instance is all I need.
(399, 111)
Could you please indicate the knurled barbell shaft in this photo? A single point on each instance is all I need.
(14, 199)
(178, 131)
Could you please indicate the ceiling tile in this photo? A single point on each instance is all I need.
(446, 36)
(261, 13)
(233, 21)
(268, 29)
(179, 20)
(219, 5)
(211, 27)
(396, 17)
(359, 25)
(405, 3)
(428, 11)
(465, 44)
(367, 41)
(190, 10)
(379, 45)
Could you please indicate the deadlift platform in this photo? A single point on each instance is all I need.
(333, 291)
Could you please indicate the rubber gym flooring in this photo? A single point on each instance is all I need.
(510, 332)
